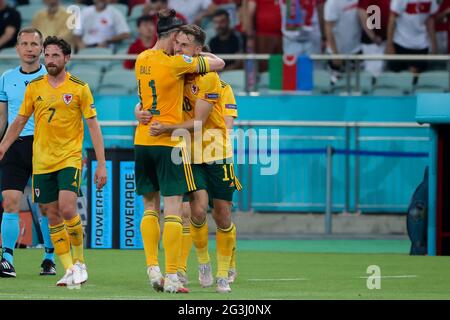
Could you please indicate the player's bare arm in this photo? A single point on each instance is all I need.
(3, 117)
(12, 134)
(215, 63)
(97, 141)
(202, 111)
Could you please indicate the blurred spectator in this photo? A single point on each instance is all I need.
(102, 25)
(301, 28)
(10, 22)
(343, 31)
(443, 27)
(226, 39)
(53, 21)
(193, 10)
(262, 27)
(373, 38)
(152, 7)
(411, 31)
(132, 3)
(232, 6)
(146, 39)
(85, 2)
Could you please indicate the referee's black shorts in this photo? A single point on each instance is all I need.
(16, 166)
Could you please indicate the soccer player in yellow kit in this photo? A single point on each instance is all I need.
(213, 162)
(160, 161)
(59, 101)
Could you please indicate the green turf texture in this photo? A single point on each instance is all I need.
(268, 269)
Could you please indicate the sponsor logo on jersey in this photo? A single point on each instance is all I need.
(194, 89)
(39, 98)
(211, 95)
(92, 106)
(231, 106)
(187, 59)
(67, 97)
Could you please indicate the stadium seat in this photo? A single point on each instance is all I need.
(4, 67)
(136, 12)
(321, 82)
(123, 8)
(263, 83)
(11, 50)
(236, 79)
(434, 81)
(98, 64)
(92, 77)
(28, 11)
(365, 82)
(118, 81)
(397, 83)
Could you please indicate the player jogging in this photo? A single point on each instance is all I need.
(59, 100)
(17, 166)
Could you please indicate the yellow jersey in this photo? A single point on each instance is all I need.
(160, 80)
(228, 100)
(58, 132)
(214, 142)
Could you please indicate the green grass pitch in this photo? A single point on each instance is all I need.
(268, 269)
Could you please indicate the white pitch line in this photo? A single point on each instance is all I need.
(286, 279)
(393, 277)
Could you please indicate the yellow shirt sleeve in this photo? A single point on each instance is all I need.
(87, 103)
(183, 64)
(229, 102)
(27, 107)
(209, 87)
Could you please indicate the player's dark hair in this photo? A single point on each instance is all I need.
(167, 22)
(206, 48)
(196, 31)
(30, 30)
(221, 12)
(145, 18)
(60, 42)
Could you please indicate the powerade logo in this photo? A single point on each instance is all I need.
(101, 210)
(131, 208)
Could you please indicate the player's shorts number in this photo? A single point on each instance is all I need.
(228, 172)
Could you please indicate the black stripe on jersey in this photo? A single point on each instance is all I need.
(37, 79)
(223, 84)
(202, 66)
(76, 80)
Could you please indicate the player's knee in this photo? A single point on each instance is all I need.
(222, 216)
(11, 204)
(198, 213)
(67, 211)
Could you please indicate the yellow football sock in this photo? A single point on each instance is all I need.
(75, 230)
(225, 242)
(186, 245)
(173, 229)
(61, 243)
(233, 255)
(150, 231)
(199, 234)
